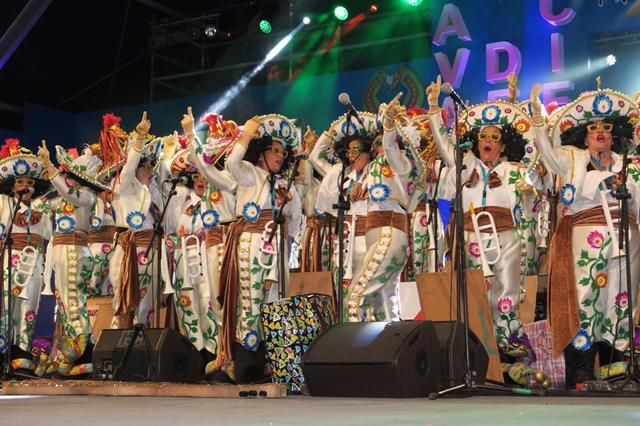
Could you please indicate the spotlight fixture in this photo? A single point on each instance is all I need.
(306, 20)
(210, 31)
(373, 8)
(341, 13)
(611, 60)
(265, 26)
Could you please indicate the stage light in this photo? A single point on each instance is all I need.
(265, 26)
(414, 2)
(210, 31)
(341, 13)
(611, 60)
(373, 8)
(306, 20)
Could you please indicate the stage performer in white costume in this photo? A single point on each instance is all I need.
(495, 179)
(70, 258)
(588, 289)
(21, 171)
(249, 273)
(137, 202)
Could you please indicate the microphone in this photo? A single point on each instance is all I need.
(344, 99)
(447, 89)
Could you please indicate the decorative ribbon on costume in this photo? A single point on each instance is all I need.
(563, 298)
(104, 235)
(76, 238)
(387, 218)
(20, 219)
(129, 289)
(229, 282)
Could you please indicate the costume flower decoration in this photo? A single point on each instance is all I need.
(622, 300)
(285, 130)
(491, 114)
(474, 249)
(601, 279)
(21, 168)
(106, 248)
(349, 128)
(386, 171)
(518, 211)
(602, 105)
(568, 194)
(582, 341)
(135, 220)
(379, 192)
(30, 316)
(215, 197)
(210, 219)
(251, 212)
(505, 305)
(522, 125)
(142, 260)
(595, 239)
(251, 340)
(185, 301)
(68, 208)
(66, 224)
(96, 222)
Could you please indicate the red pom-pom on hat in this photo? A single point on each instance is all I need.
(109, 120)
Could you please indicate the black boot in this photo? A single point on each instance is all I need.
(608, 355)
(249, 366)
(579, 366)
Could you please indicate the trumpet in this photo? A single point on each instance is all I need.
(267, 248)
(607, 209)
(192, 261)
(26, 265)
(493, 243)
(164, 269)
(47, 290)
(543, 225)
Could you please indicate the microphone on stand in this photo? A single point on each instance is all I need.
(177, 180)
(448, 90)
(345, 100)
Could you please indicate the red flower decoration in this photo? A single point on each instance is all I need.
(110, 120)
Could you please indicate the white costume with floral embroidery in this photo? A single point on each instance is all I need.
(102, 218)
(26, 296)
(132, 202)
(373, 294)
(503, 289)
(602, 294)
(72, 262)
(254, 196)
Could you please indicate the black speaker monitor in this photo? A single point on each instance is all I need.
(176, 359)
(375, 359)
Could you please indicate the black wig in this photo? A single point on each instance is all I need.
(39, 188)
(341, 146)
(258, 146)
(511, 139)
(622, 129)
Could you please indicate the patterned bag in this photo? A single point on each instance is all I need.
(290, 326)
(540, 338)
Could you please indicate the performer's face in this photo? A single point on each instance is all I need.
(145, 173)
(490, 144)
(599, 138)
(357, 156)
(199, 184)
(274, 157)
(23, 183)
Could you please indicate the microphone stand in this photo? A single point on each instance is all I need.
(342, 206)
(433, 211)
(471, 380)
(140, 328)
(8, 243)
(623, 195)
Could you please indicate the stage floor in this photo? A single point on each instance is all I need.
(299, 410)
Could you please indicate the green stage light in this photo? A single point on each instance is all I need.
(414, 2)
(341, 13)
(265, 26)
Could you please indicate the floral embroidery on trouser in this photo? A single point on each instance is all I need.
(372, 295)
(602, 294)
(194, 307)
(99, 283)
(26, 298)
(503, 289)
(355, 262)
(72, 266)
(423, 253)
(147, 271)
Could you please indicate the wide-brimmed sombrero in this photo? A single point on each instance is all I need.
(283, 130)
(498, 114)
(17, 162)
(593, 106)
(84, 169)
(221, 137)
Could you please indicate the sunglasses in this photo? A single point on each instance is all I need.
(279, 151)
(595, 127)
(25, 181)
(494, 137)
(199, 178)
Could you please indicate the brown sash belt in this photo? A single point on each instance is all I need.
(103, 235)
(22, 240)
(129, 288)
(214, 236)
(387, 218)
(361, 224)
(501, 217)
(77, 238)
(563, 298)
